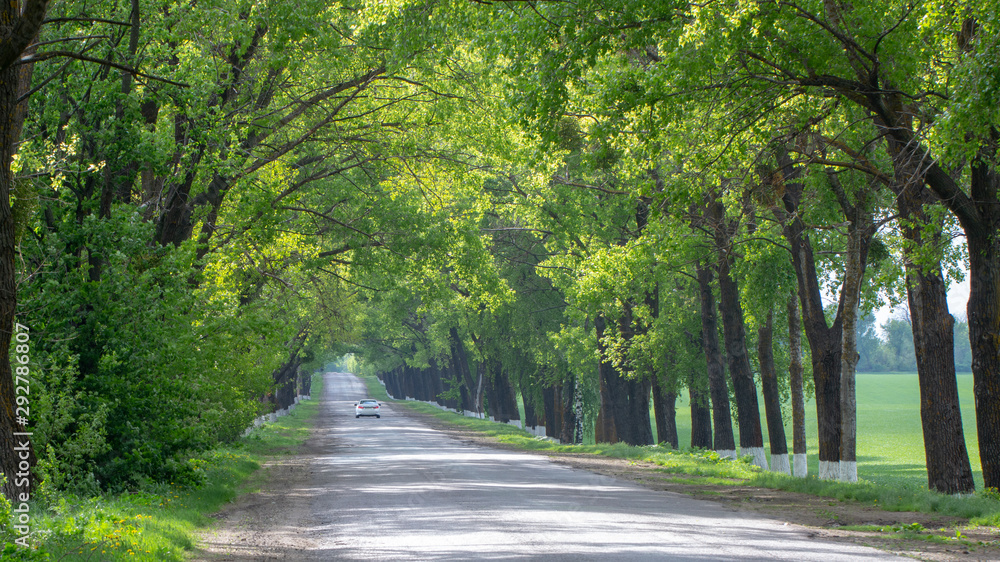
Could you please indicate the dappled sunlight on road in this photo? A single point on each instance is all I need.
(391, 489)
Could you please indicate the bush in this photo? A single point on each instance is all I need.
(139, 369)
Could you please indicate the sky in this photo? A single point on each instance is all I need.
(958, 298)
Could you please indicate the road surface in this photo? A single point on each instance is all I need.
(394, 489)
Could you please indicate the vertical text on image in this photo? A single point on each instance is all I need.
(22, 440)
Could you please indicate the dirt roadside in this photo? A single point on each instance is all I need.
(826, 517)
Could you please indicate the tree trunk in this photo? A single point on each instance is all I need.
(772, 398)
(18, 29)
(824, 340)
(605, 430)
(305, 384)
(978, 211)
(493, 407)
(701, 413)
(665, 411)
(641, 427)
(436, 383)
(530, 419)
(467, 387)
(851, 299)
(569, 421)
(550, 399)
(122, 166)
(734, 332)
(948, 468)
(503, 402)
(389, 378)
(984, 325)
(624, 401)
(983, 241)
(724, 442)
(800, 466)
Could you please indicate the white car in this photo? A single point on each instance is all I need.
(367, 407)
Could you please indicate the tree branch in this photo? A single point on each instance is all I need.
(74, 55)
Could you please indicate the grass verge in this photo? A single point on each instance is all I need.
(980, 509)
(159, 523)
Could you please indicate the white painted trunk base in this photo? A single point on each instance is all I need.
(800, 465)
(779, 463)
(727, 453)
(829, 470)
(536, 430)
(759, 456)
(262, 419)
(848, 471)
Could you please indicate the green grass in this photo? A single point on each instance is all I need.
(160, 523)
(697, 463)
(890, 447)
(890, 437)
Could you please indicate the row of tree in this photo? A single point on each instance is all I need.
(688, 178)
(587, 204)
(181, 182)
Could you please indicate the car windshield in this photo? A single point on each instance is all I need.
(368, 402)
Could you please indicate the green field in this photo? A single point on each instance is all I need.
(890, 440)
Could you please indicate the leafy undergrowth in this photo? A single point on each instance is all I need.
(981, 509)
(159, 522)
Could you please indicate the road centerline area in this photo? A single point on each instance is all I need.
(391, 488)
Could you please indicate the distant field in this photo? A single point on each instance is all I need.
(890, 440)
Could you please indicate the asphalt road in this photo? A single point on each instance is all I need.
(394, 489)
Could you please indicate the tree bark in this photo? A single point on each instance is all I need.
(460, 363)
(824, 340)
(724, 441)
(734, 332)
(984, 325)
(772, 398)
(493, 406)
(500, 393)
(530, 416)
(624, 401)
(948, 468)
(665, 411)
(552, 417)
(305, 384)
(849, 354)
(569, 421)
(701, 413)
(17, 30)
(800, 466)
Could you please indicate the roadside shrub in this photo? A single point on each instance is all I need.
(137, 370)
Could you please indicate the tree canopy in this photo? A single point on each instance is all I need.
(491, 200)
